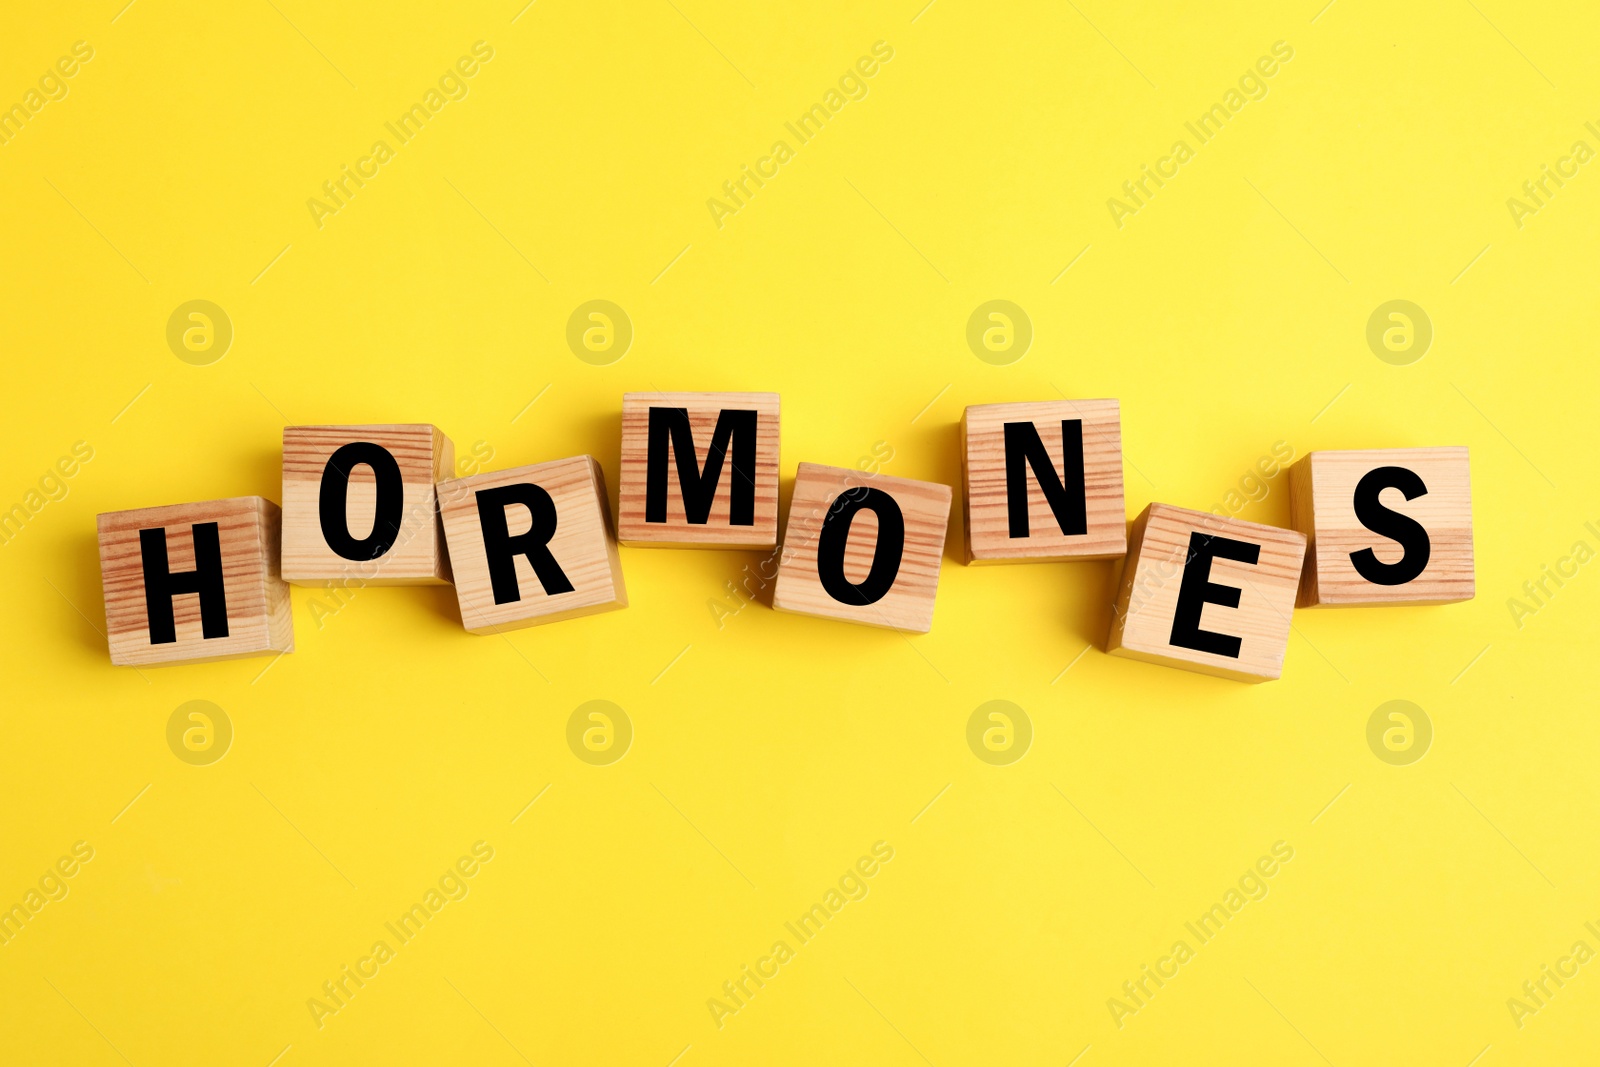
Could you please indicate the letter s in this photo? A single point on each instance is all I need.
(1403, 529)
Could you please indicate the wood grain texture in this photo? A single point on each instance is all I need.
(717, 532)
(983, 459)
(908, 605)
(259, 620)
(1321, 503)
(583, 546)
(424, 455)
(1147, 597)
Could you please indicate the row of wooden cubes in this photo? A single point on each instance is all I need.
(1043, 481)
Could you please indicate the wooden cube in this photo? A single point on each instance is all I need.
(699, 470)
(531, 545)
(863, 548)
(359, 504)
(194, 582)
(1043, 481)
(1207, 594)
(1385, 525)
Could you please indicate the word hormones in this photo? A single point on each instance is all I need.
(535, 544)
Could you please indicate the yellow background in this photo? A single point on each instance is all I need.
(773, 751)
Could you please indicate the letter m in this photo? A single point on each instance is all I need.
(1064, 492)
(670, 430)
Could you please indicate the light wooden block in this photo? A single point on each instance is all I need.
(1063, 455)
(556, 519)
(741, 508)
(407, 460)
(1178, 557)
(245, 606)
(1416, 551)
(839, 515)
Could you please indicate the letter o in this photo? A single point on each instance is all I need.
(886, 554)
(333, 498)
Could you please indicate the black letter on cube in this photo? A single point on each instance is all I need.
(1064, 494)
(735, 426)
(885, 554)
(1198, 590)
(501, 549)
(331, 501)
(1410, 534)
(161, 585)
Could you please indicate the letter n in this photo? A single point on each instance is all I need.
(1064, 492)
